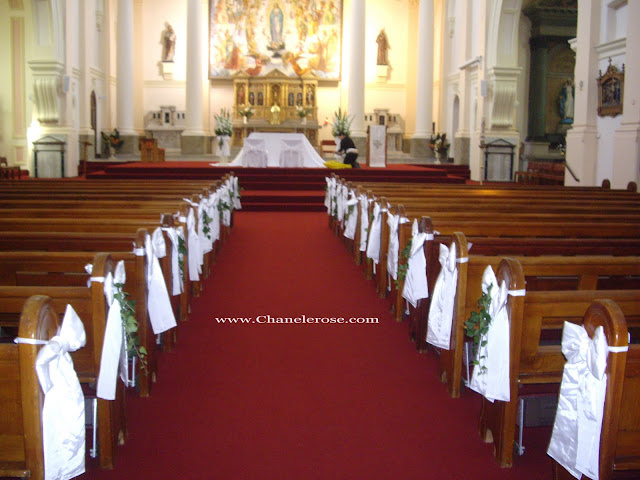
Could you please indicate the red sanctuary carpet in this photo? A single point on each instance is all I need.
(445, 173)
(302, 401)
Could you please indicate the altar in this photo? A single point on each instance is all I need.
(274, 145)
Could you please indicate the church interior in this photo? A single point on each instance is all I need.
(340, 239)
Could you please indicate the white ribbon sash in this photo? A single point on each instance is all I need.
(373, 245)
(114, 351)
(415, 283)
(575, 439)
(442, 301)
(63, 428)
(351, 214)
(158, 303)
(193, 248)
(176, 277)
(493, 383)
(364, 222)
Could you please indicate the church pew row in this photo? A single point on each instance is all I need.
(542, 273)
(530, 361)
(91, 306)
(620, 435)
(37, 268)
(21, 397)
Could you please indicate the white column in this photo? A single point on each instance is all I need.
(424, 88)
(194, 69)
(124, 65)
(355, 105)
(626, 151)
(582, 142)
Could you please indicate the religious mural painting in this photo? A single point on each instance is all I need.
(259, 36)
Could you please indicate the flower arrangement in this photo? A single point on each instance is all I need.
(303, 111)
(341, 123)
(245, 110)
(439, 143)
(223, 124)
(113, 139)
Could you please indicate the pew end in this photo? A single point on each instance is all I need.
(21, 398)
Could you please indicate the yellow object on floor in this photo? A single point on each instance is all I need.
(336, 165)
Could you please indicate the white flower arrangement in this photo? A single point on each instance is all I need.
(246, 110)
(303, 111)
(223, 124)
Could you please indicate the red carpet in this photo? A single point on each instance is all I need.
(306, 401)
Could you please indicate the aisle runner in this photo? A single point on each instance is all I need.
(301, 401)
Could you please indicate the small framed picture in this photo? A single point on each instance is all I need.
(611, 91)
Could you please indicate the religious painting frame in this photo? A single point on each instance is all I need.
(611, 91)
(296, 37)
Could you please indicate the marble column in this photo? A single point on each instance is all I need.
(194, 138)
(124, 82)
(424, 87)
(582, 142)
(626, 151)
(355, 104)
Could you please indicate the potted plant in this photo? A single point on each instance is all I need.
(223, 132)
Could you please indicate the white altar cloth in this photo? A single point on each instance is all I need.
(274, 144)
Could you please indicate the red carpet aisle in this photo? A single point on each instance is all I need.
(272, 401)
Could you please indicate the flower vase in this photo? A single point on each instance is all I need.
(222, 147)
(244, 119)
(304, 120)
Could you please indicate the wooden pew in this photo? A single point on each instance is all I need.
(37, 268)
(542, 273)
(620, 435)
(21, 397)
(91, 306)
(530, 361)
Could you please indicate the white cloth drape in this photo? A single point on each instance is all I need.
(176, 276)
(114, 351)
(236, 193)
(63, 422)
(329, 194)
(373, 245)
(394, 222)
(415, 283)
(575, 439)
(158, 303)
(223, 150)
(493, 383)
(364, 221)
(442, 300)
(193, 248)
(351, 216)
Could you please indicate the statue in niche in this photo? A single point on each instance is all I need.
(383, 46)
(567, 102)
(168, 43)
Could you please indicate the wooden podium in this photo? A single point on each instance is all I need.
(149, 151)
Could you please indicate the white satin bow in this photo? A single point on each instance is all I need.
(575, 440)
(442, 301)
(415, 283)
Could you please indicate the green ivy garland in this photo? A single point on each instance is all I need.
(128, 316)
(403, 267)
(182, 251)
(478, 325)
(206, 228)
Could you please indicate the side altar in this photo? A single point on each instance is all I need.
(279, 103)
